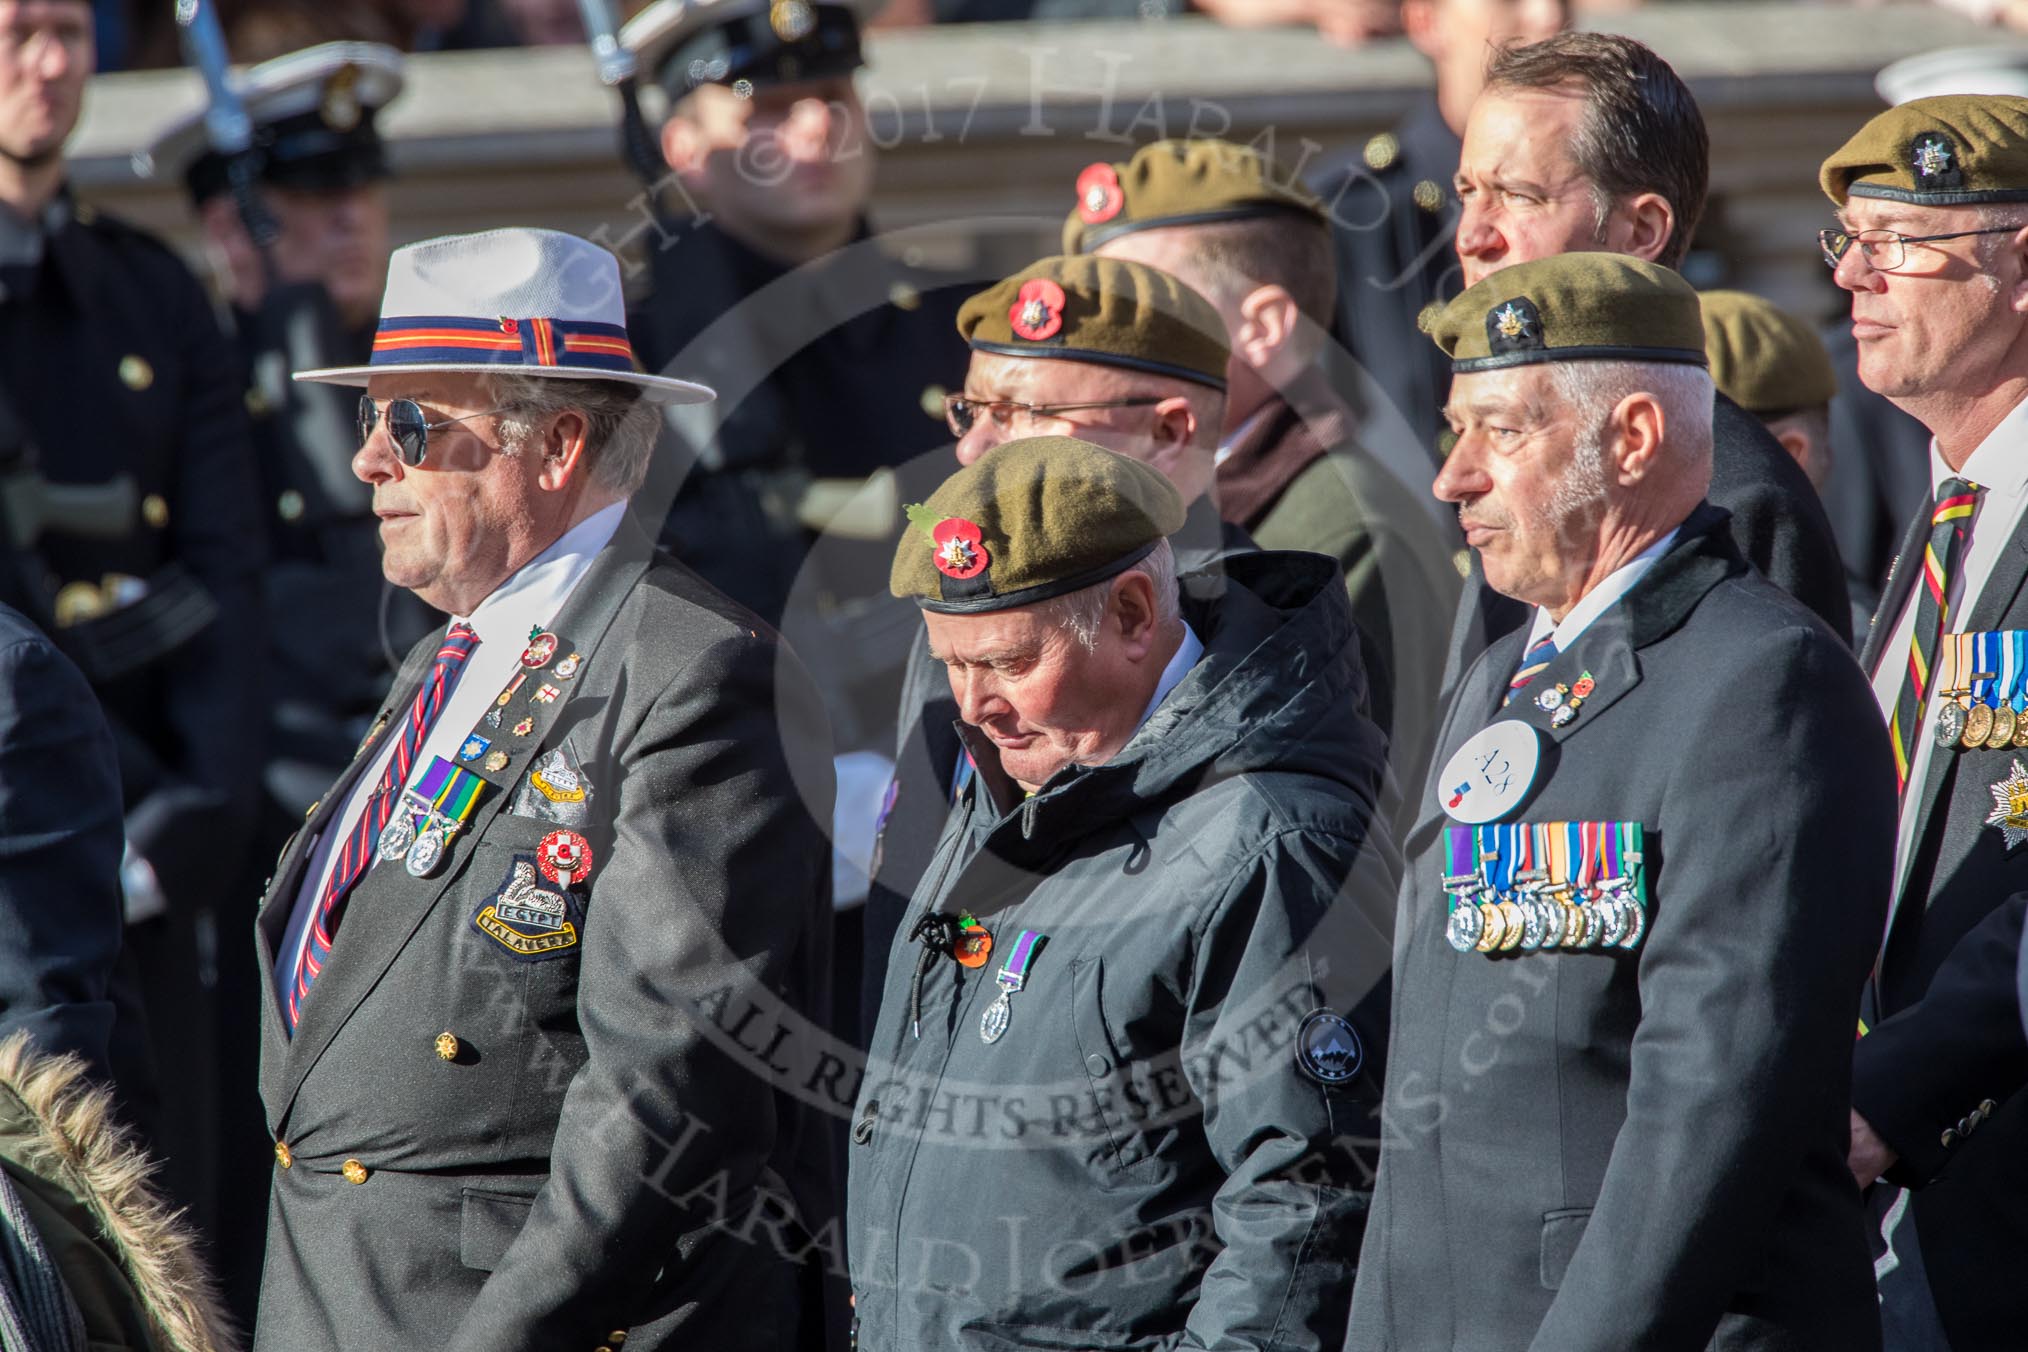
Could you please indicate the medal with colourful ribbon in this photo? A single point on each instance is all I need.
(1462, 878)
(452, 794)
(1013, 975)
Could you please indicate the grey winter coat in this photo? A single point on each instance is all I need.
(1167, 1146)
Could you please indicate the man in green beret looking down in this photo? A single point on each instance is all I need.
(1131, 1028)
(1931, 242)
(1642, 894)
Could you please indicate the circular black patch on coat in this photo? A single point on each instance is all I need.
(1328, 1049)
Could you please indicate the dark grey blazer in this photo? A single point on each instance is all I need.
(602, 1150)
(1934, 1060)
(1589, 1152)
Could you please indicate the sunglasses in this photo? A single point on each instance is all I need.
(406, 427)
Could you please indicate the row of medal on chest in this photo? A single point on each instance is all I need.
(1982, 690)
(1537, 886)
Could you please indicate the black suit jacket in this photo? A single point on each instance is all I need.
(1589, 1152)
(60, 842)
(1777, 521)
(1936, 1076)
(615, 1143)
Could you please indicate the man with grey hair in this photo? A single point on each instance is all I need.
(582, 832)
(1640, 896)
(1132, 1025)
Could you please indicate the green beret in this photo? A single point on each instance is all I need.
(1030, 520)
(1182, 183)
(1103, 310)
(1950, 151)
(1763, 358)
(1573, 307)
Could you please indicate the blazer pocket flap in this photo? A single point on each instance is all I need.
(488, 1225)
(1561, 1233)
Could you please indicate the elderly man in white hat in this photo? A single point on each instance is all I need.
(535, 961)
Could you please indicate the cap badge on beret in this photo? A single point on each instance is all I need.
(1935, 161)
(1037, 312)
(1514, 327)
(792, 20)
(339, 107)
(961, 548)
(1099, 197)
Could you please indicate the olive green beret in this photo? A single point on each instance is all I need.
(1762, 357)
(1573, 307)
(1030, 520)
(1950, 151)
(1192, 182)
(1103, 310)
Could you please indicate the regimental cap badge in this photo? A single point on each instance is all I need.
(339, 107)
(1037, 312)
(1099, 195)
(1934, 158)
(792, 20)
(1328, 1049)
(1514, 326)
(960, 548)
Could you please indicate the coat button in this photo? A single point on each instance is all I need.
(617, 1337)
(283, 1155)
(1949, 1138)
(1096, 1064)
(1987, 1108)
(447, 1046)
(354, 1171)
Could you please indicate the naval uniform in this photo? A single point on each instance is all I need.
(1602, 1148)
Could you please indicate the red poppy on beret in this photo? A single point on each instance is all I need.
(1099, 197)
(1037, 311)
(961, 549)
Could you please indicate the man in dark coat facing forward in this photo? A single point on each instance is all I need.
(1642, 896)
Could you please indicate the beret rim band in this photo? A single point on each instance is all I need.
(1679, 356)
(1092, 236)
(1962, 197)
(1042, 591)
(1097, 358)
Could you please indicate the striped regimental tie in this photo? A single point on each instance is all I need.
(1950, 527)
(1538, 656)
(356, 853)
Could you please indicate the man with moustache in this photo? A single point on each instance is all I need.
(1590, 142)
(117, 385)
(582, 830)
(1932, 244)
(1640, 900)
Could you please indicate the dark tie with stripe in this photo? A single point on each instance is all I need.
(356, 851)
(1539, 655)
(1950, 529)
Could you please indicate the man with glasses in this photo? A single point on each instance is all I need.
(582, 828)
(1932, 244)
(1112, 352)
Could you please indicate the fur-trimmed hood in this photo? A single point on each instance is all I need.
(59, 1139)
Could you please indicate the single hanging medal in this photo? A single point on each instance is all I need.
(1950, 714)
(1979, 718)
(1013, 975)
(2005, 720)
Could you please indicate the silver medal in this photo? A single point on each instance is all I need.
(1466, 924)
(993, 1022)
(1950, 724)
(1637, 920)
(397, 836)
(428, 851)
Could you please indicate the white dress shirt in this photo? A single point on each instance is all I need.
(2000, 467)
(528, 600)
(1599, 599)
(1179, 664)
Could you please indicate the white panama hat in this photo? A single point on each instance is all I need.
(538, 302)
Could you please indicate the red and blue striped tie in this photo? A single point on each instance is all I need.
(1539, 655)
(357, 851)
(1950, 527)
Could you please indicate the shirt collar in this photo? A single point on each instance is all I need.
(1998, 466)
(534, 594)
(1185, 657)
(1595, 602)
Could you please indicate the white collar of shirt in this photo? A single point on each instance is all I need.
(1997, 465)
(1595, 602)
(532, 596)
(1185, 657)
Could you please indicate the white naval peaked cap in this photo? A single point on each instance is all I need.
(540, 302)
(1994, 69)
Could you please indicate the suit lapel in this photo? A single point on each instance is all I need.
(388, 906)
(1901, 576)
